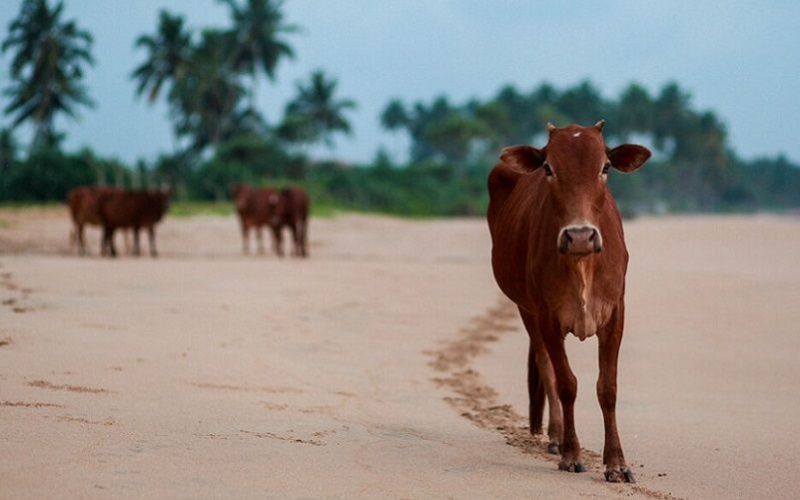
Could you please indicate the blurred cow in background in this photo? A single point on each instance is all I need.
(292, 212)
(83, 207)
(256, 207)
(133, 210)
(259, 207)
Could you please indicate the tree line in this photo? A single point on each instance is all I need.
(211, 78)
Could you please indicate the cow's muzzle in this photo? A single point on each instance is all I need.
(580, 240)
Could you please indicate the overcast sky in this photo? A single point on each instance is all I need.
(740, 59)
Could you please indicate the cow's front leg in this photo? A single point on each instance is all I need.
(260, 239)
(609, 339)
(277, 240)
(108, 238)
(567, 386)
(137, 251)
(245, 237)
(151, 233)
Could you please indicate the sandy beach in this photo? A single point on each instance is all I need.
(386, 365)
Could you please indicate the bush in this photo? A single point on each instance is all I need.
(262, 157)
(46, 175)
(214, 180)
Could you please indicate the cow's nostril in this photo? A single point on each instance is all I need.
(592, 235)
(567, 237)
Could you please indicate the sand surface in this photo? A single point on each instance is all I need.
(385, 365)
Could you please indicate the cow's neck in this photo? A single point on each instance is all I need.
(577, 306)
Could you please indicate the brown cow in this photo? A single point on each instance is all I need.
(256, 208)
(133, 210)
(83, 207)
(558, 252)
(292, 212)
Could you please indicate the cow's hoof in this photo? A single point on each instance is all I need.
(619, 474)
(571, 466)
(553, 448)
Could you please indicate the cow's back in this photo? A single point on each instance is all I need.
(255, 205)
(84, 203)
(121, 209)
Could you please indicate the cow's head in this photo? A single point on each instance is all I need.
(159, 199)
(241, 196)
(166, 192)
(236, 189)
(576, 162)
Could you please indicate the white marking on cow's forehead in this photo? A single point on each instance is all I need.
(576, 134)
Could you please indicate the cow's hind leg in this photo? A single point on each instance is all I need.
(151, 233)
(609, 340)
(302, 237)
(108, 242)
(299, 230)
(536, 396)
(137, 250)
(260, 239)
(103, 243)
(81, 243)
(126, 240)
(245, 238)
(277, 240)
(567, 386)
(541, 387)
(297, 242)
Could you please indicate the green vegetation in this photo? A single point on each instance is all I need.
(209, 79)
(193, 208)
(224, 208)
(49, 58)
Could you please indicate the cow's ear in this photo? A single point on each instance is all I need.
(628, 157)
(525, 158)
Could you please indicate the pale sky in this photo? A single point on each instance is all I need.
(740, 59)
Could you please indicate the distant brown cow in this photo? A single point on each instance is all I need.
(559, 253)
(133, 210)
(84, 209)
(256, 208)
(292, 212)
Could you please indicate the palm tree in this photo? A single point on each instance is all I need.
(257, 30)
(315, 114)
(671, 110)
(452, 137)
(583, 103)
(634, 112)
(394, 116)
(47, 67)
(205, 101)
(167, 55)
(8, 150)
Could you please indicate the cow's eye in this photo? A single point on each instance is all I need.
(605, 168)
(547, 170)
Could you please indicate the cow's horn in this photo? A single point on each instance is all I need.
(550, 127)
(599, 125)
